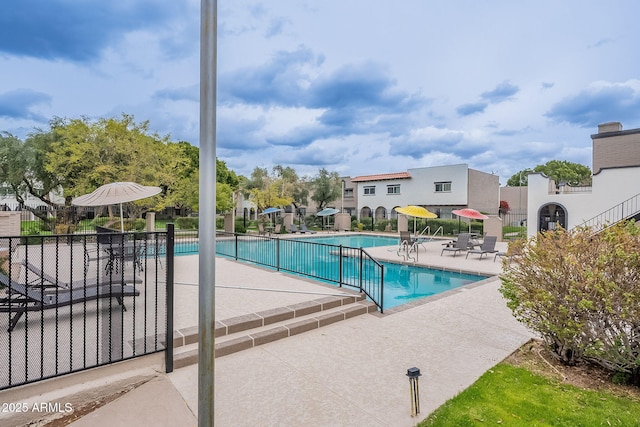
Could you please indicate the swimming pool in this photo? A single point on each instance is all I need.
(402, 283)
(354, 240)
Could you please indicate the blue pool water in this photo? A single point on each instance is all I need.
(355, 240)
(402, 283)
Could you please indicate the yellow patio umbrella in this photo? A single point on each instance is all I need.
(416, 212)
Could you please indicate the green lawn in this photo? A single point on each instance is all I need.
(511, 396)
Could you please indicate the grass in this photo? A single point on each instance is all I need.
(514, 396)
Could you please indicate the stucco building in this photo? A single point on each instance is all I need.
(613, 195)
(440, 189)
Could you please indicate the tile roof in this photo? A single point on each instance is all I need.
(381, 177)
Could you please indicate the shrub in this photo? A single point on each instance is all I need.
(381, 224)
(137, 224)
(239, 226)
(366, 223)
(219, 223)
(449, 226)
(100, 221)
(579, 291)
(65, 229)
(190, 223)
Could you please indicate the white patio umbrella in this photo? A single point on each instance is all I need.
(116, 193)
(327, 212)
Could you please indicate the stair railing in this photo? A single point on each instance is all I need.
(625, 210)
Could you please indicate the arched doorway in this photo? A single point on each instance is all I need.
(366, 218)
(551, 216)
(381, 213)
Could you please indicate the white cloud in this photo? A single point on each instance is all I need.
(324, 84)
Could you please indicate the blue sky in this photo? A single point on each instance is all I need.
(354, 86)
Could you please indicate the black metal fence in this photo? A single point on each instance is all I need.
(342, 265)
(73, 302)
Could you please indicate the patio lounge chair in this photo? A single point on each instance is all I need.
(488, 247)
(304, 229)
(261, 230)
(48, 283)
(277, 229)
(499, 254)
(293, 228)
(461, 244)
(22, 298)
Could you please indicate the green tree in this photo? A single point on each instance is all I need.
(326, 188)
(86, 154)
(558, 170)
(22, 170)
(227, 184)
(181, 189)
(564, 171)
(265, 190)
(292, 185)
(13, 164)
(185, 194)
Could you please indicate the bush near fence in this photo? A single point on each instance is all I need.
(191, 223)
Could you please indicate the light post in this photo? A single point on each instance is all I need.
(520, 193)
(414, 391)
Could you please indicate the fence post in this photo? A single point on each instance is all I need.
(277, 254)
(360, 272)
(235, 235)
(340, 267)
(381, 288)
(170, 253)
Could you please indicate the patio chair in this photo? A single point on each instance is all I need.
(261, 231)
(461, 244)
(406, 241)
(116, 248)
(488, 247)
(22, 298)
(499, 254)
(304, 229)
(293, 229)
(277, 229)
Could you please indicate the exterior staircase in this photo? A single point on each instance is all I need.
(251, 330)
(629, 209)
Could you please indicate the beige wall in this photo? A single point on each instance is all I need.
(516, 197)
(9, 223)
(614, 148)
(484, 191)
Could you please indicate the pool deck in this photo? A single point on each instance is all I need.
(349, 373)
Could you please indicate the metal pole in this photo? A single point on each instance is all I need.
(170, 296)
(207, 207)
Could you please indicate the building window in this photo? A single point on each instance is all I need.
(370, 191)
(443, 187)
(393, 189)
(348, 193)
(445, 213)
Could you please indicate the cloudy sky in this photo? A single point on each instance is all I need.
(355, 86)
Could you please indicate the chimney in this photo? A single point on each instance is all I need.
(610, 127)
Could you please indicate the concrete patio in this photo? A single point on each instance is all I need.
(347, 373)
